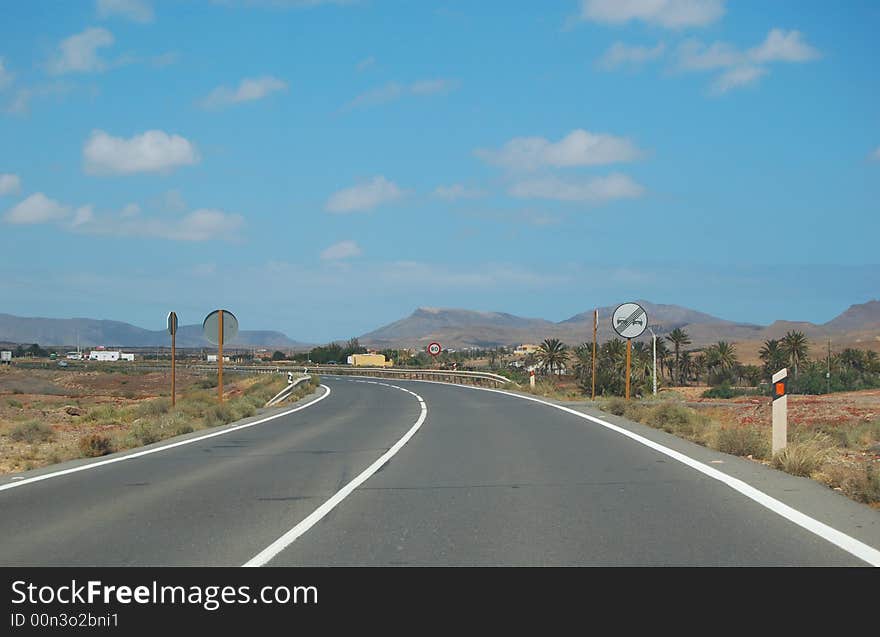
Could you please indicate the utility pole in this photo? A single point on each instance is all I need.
(595, 329)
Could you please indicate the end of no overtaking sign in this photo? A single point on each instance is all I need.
(629, 320)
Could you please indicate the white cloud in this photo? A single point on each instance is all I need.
(204, 225)
(578, 148)
(37, 208)
(671, 14)
(743, 68)
(9, 184)
(620, 54)
(366, 63)
(199, 225)
(432, 87)
(21, 102)
(592, 190)
(693, 55)
(393, 91)
(364, 196)
(6, 76)
(134, 10)
(341, 250)
(82, 215)
(457, 191)
(737, 77)
(152, 151)
(130, 210)
(249, 89)
(79, 53)
(783, 46)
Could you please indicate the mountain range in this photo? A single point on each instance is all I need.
(87, 332)
(860, 324)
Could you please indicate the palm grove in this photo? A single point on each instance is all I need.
(716, 365)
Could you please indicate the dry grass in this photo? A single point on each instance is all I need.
(805, 457)
(843, 455)
(117, 424)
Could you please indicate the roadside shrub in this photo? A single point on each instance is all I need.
(616, 406)
(32, 431)
(13, 403)
(219, 415)
(860, 485)
(207, 383)
(146, 433)
(674, 418)
(244, 409)
(94, 445)
(806, 457)
(154, 407)
(744, 441)
(722, 391)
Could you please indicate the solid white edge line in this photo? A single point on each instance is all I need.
(264, 556)
(843, 541)
(146, 452)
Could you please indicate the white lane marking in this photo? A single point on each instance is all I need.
(843, 541)
(147, 452)
(264, 556)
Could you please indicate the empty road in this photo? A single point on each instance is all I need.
(381, 472)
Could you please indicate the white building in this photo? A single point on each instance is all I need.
(104, 355)
(6, 356)
(212, 358)
(126, 357)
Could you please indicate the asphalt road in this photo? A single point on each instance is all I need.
(486, 479)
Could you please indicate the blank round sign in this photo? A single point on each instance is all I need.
(629, 320)
(211, 326)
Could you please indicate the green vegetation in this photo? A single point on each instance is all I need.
(817, 452)
(725, 390)
(32, 431)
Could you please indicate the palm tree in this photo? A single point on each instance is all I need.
(721, 359)
(662, 355)
(552, 354)
(772, 356)
(795, 346)
(679, 338)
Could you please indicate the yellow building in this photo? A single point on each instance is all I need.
(369, 360)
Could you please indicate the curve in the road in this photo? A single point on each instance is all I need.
(264, 556)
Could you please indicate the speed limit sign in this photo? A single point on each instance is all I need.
(434, 349)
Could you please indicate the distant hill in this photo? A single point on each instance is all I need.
(91, 332)
(456, 328)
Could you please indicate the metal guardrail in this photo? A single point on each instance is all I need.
(284, 394)
(486, 379)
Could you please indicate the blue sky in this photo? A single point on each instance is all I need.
(323, 168)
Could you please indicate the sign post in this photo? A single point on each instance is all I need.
(595, 330)
(220, 326)
(780, 410)
(434, 350)
(172, 329)
(629, 321)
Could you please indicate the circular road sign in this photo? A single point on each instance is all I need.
(629, 320)
(211, 326)
(434, 348)
(172, 323)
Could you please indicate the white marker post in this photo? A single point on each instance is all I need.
(780, 410)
